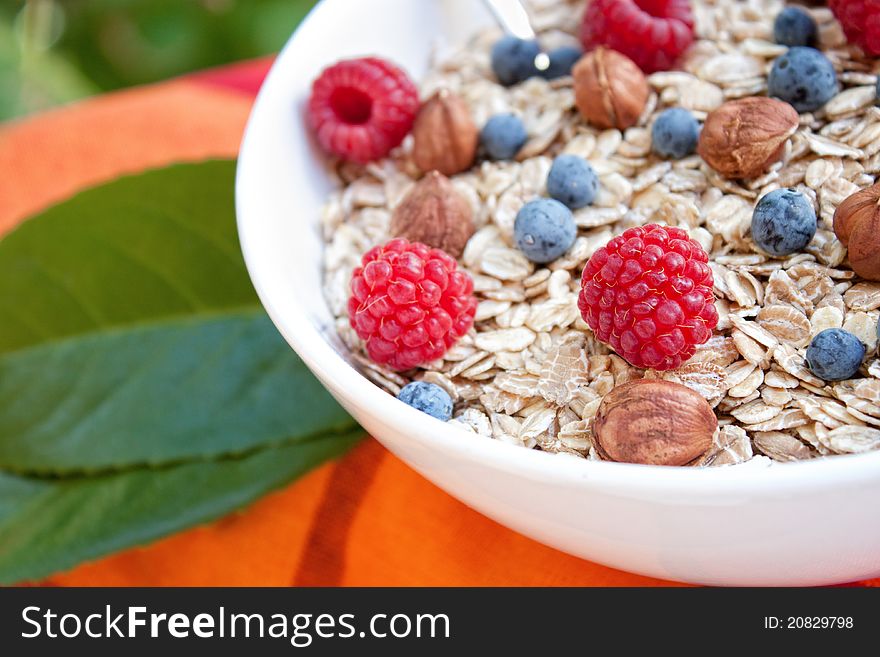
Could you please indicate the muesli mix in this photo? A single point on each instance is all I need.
(652, 235)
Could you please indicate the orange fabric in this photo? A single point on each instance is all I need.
(366, 519)
(63, 151)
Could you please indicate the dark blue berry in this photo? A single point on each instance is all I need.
(513, 59)
(544, 229)
(428, 398)
(835, 355)
(503, 136)
(794, 27)
(675, 133)
(783, 222)
(802, 77)
(562, 60)
(572, 181)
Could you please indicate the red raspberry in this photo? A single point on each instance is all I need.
(652, 33)
(410, 303)
(362, 108)
(648, 293)
(860, 20)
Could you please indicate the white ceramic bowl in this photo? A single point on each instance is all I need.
(805, 523)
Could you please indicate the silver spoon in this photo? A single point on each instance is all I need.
(514, 19)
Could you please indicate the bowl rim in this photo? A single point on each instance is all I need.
(330, 366)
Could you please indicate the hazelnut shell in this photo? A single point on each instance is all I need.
(857, 226)
(445, 136)
(610, 89)
(436, 214)
(743, 137)
(653, 422)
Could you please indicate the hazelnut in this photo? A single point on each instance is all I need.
(610, 90)
(436, 214)
(743, 137)
(857, 226)
(654, 422)
(445, 135)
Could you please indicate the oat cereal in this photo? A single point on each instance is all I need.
(530, 372)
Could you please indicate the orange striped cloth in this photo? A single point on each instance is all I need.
(366, 519)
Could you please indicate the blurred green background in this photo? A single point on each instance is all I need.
(55, 51)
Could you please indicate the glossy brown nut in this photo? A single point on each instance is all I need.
(743, 137)
(445, 135)
(436, 214)
(857, 226)
(610, 90)
(653, 422)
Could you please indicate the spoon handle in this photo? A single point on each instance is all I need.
(512, 16)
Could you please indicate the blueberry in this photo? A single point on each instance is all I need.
(428, 398)
(794, 27)
(503, 136)
(562, 60)
(544, 229)
(783, 222)
(513, 60)
(675, 133)
(835, 355)
(572, 181)
(802, 77)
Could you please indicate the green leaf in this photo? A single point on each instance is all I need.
(46, 526)
(162, 244)
(144, 389)
(118, 43)
(35, 80)
(156, 394)
(133, 335)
